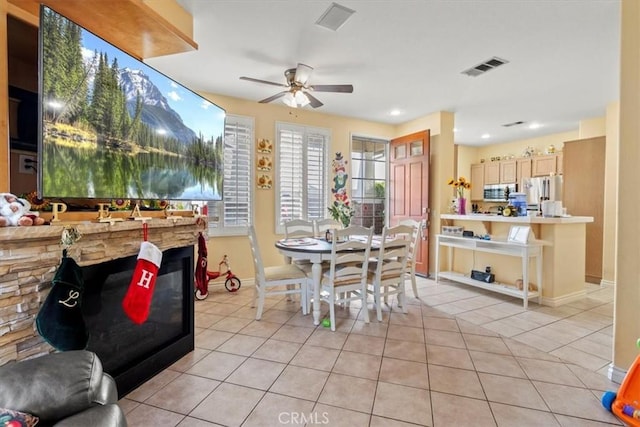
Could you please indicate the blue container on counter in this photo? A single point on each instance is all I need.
(519, 201)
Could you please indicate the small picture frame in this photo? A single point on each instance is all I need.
(519, 234)
(264, 146)
(264, 182)
(264, 163)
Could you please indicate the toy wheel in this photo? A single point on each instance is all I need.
(232, 284)
(200, 296)
(608, 398)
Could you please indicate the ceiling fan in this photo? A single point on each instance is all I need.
(297, 92)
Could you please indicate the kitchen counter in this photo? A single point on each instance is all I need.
(563, 258)
(519, 219)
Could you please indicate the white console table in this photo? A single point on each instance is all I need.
(532, 249)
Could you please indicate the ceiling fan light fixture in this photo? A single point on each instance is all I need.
(290, 100)
(301, 99)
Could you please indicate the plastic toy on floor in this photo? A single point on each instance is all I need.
(625, 404)
(203, 276)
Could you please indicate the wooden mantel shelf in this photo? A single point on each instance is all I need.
(131, 25)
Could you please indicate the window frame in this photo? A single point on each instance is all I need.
(216, 209)
(386, 142)
(306, 131)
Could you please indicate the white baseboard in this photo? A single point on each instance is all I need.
(565, 299)
(604, 283)
(616, 374)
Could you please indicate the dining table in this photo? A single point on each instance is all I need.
(314, 250)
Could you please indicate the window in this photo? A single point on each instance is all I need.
(234, 213)
(369, 182)
(301, 180)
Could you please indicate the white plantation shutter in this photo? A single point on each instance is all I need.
(316, 176)
(302, 173)
(233, 214)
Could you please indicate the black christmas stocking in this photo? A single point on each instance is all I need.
(60, 320)
(137, 301)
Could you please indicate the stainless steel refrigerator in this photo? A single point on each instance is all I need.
(542, 188)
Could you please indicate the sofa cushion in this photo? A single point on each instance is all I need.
(11, 418)
(54, 386)
(108, 415)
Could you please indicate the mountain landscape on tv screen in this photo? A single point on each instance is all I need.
(115, 128)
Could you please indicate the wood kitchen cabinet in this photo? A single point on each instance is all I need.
(477, 181)
(492, 173)
(543, 165)
(583, 194)
(559, 166)
(508, 171)
(524, 171)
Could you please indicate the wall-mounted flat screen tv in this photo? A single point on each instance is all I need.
(114, 128)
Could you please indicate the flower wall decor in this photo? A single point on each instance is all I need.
(264, 164)
(264, 146)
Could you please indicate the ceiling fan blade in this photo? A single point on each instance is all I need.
(274, 97)
(313, 101)
(332, 88)
(262, 81)
(303, 72)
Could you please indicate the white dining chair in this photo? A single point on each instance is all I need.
(295, 229)
(346, 278)
(387, 276)
(285, 279)
(298, 228)
(413, 247)
(321, 226)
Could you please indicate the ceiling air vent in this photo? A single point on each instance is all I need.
(485, 66)
(334, 17)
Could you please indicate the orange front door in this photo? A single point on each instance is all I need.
(409, 188)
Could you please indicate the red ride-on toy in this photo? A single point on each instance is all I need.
(231, 282)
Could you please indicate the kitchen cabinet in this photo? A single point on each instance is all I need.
(583, 194)
(140, 28)
(477, 181)
(524, 171)
(491, 173)
(543, 165)
(508, 173)
(559, 165)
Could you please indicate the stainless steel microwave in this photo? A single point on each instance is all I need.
(497, 192)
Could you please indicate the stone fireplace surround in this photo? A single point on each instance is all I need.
(29, 257)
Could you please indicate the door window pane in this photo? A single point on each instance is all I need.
(369, 182)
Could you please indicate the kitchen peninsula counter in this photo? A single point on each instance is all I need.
(563, 254)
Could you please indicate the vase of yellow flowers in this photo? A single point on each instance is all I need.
(460, 185)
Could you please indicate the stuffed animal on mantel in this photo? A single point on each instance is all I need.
(17, 211)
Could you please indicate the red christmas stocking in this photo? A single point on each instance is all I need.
(137, 301)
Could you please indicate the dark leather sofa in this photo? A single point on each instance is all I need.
(62, 389)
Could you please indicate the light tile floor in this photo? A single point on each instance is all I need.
(460, 356)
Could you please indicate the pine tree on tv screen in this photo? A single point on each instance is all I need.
(115, 128)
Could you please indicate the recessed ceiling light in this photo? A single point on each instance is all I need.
(485, 136)
(395, 112)
(535, 126)
(455, 130)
